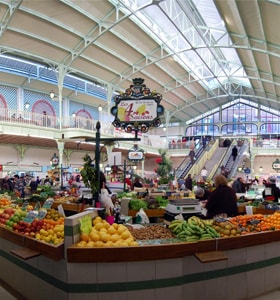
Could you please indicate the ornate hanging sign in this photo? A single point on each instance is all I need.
(138, 108)
(276, 165)
(54, 161)
(135, 154)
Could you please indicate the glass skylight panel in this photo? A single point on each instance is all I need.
(185, 25)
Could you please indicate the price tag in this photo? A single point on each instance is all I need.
(31, 215)
(48, 203)
(24, 205)
(86, 224)
(42, 213)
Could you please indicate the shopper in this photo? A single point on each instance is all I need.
(188, 182)
(103, 182)
(238, 185)
(11, 182)
(222, 201)
(4, 185)
(33, 185)
(38, 180)
(204, 173)
(192, 156)
(202, 194)
(137, 183)
(271, 191)
(19, 186)
(234, 152)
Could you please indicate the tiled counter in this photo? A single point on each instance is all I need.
(251, 267)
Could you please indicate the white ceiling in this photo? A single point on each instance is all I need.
(179, 47)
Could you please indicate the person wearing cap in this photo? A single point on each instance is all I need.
(271, 191)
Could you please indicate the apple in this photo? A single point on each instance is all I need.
(9, 211)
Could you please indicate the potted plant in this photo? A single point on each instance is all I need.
(89, 176)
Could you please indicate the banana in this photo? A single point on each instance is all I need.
(174, 223)
(196, 221)
(206, 236)
(212, 231)
(192, 238)
(182, 234)
(179, 228)
(189, 231)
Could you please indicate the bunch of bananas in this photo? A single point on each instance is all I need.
(193, 229)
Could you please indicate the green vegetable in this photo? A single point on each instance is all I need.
(161, 201)
(136, 204)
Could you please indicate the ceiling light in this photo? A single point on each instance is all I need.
(27, 105)
(52, 94)
(100, 108)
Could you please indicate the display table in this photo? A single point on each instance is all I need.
(151, 213)
(73, 207)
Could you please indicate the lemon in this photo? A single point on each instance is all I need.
(134, 244)
(125, 235)
(90, 244)
(121, 229)
(99, 244)
(99, 226)
(129, 241)
(81, 244)
(104, 237)
(109, 244)
(96, 220)
(94, 236)
(111, 230)
(115, 225)
(115, 237)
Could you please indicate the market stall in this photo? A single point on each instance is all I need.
(165, 267)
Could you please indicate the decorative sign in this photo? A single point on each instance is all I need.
(138, 108)
(276, 165)
(54, 160)
(135, 155)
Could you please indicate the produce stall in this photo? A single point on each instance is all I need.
(161, 266)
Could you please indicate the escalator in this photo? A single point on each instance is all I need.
(228, 164)
(186, 164)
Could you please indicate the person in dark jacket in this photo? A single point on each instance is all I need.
(202, 194)
(33, 185)
(188, 182)
(238, 185)
(222, 201)
(271, 191)
(234, 153)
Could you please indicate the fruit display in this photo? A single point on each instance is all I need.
(46, 225)
(193, 229)
(226, 228)
(103, 234)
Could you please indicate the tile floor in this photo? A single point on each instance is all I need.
(5, 294)
(275, 295)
